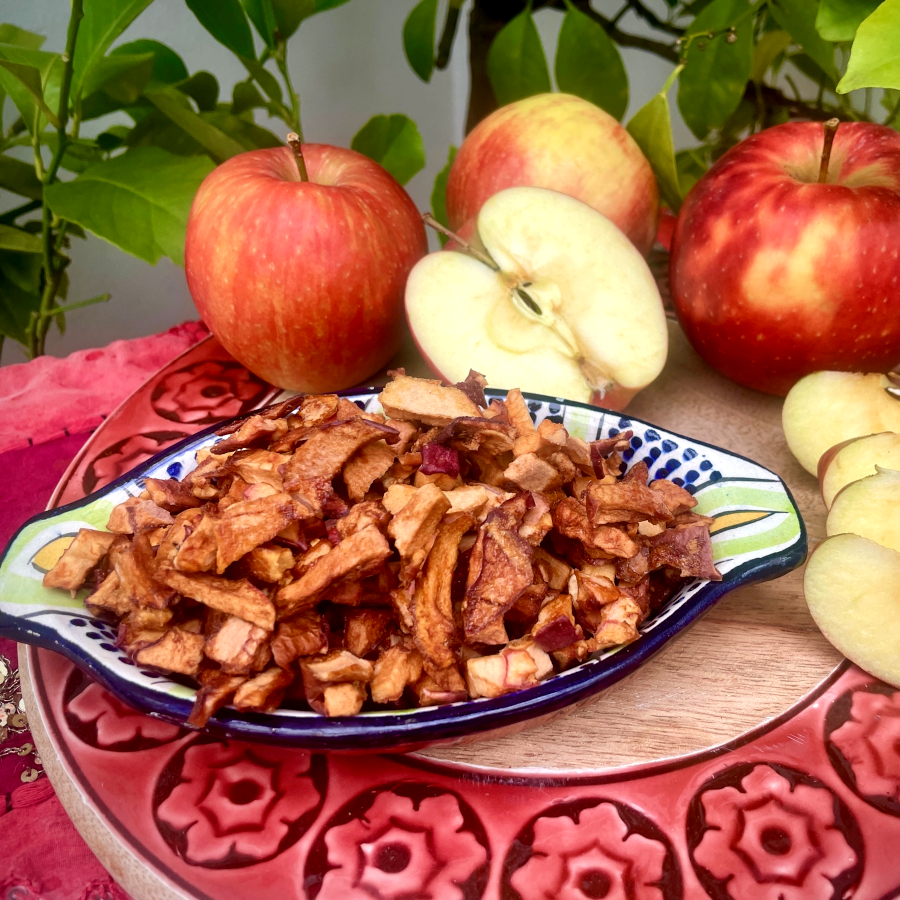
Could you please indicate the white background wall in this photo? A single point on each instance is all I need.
(348, 65)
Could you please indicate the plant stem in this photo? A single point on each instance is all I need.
(893, 114)
(40, 324)
(466, 247)
(281, 61)
(448, 34)
(11, 215)
(293, 140)
(831, 127)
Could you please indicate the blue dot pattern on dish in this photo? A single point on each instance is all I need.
(689, 454)
(705, 466)
(174, 470)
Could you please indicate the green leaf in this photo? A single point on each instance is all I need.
(651, 128)
(227, 22)
(516, 64)
(588, 64)
(203, 89)
(262, 16)
(79, 154)
(267, 81)
(81, 304)
(245, 131)
(418, 38)
(837, 20)
(23, 84)
(290, 13)
(12, 34)
(218, 144)
(798, 19)
(246, 97)
(439, 194)
(121, 76)
(113, 138)
(17, 303)
(138, 201)
(875, 55)
(692, 166)
(103, 22)
(19, 177)
(19, 241)
(168, 66)
(716, 72)
(769, 47)
(394, 142)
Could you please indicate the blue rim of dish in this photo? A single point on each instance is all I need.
(401, 730)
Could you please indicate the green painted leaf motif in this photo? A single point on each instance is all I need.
(262, 16)
(394, 142)
(217, 143)
(19, 178)
(121, 76)
(516, 64)
(103, 22)
(716, 72)
(798, 19)
(588, 64)
(138, 201)
(439, 193)
(418, 38)
(837, 20)
(651, 127)
(875, 55)
(227, 22)
(19, 241)
(12, 34)
(168, 66)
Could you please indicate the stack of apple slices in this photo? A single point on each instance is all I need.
(852, 581)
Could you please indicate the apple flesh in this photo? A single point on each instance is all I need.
(570, 308)
(825, 408)
(302, 281)
(852, 588)
(855, 459)
(870, 508)
(563, 143)
(774, 275)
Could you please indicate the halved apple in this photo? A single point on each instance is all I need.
(869, 507)
(826, 408)
(854, 459)
(852, 587)
(561, 304)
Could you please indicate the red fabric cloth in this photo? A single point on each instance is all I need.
(49, 408)
(50, 397)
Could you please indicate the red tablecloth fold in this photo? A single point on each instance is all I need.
(49, 407)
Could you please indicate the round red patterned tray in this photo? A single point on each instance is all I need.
(747, 762)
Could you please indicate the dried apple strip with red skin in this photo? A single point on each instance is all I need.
(176, 651)
(135, 564)
(414, 528)
(364, 630)
(216, 688)
(78, 559)
(264, 692)
(434, 629)
(356, 555)
(610, 504)
(303, 635)
(323, 456)
(170, 493)
(235, 645)
(253, 430)
(687, 548)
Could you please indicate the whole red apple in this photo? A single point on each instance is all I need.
(563, 143)
(302, 281)
(775, 275)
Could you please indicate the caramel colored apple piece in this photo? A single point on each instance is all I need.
(852, 588)
(870, 508)
(855, 459)
(826, 408)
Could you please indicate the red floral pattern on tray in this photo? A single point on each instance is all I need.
(803, 807)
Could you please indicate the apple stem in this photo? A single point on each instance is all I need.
(831, 127)
(432, 222)
(293, 140)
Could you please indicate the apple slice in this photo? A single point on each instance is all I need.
(855, 459)
(826, 408)
(852, 588)
(561, 304)
(870, 508)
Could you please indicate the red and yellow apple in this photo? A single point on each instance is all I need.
(775, 275)
(563, 143)
(854, 459)
(560, 303)
(302, 281)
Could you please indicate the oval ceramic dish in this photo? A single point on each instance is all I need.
(758, 535)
